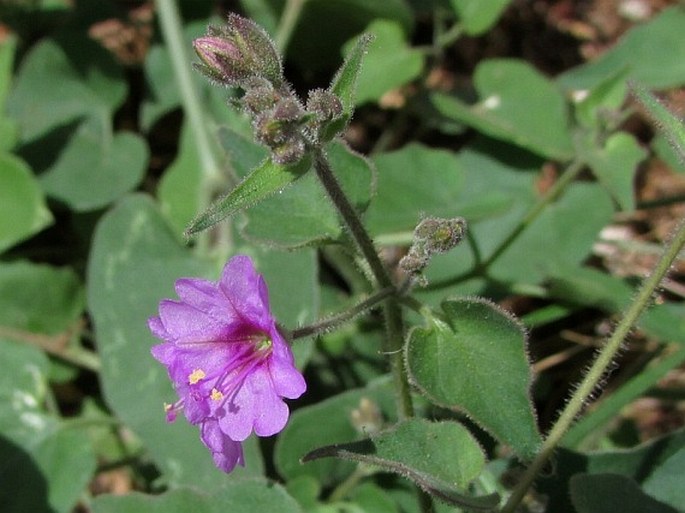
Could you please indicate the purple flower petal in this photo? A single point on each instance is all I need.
(247, 292)
(225, 452)
(229, 364)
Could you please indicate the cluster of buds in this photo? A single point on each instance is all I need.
(241, 54)
(432, 235)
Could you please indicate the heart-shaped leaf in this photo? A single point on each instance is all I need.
(652, 52)
(441, 457)
(23, 211)
(516, 104)
(477, 16)
(90, 85)
(96, 167)
(389, 62)
(473, 358)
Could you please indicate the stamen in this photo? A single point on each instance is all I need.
(172, 409)
(195, 376)
(247, 358)
(216, 395)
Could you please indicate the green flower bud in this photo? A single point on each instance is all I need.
(437, 235)
(280, 130)
(324, 105)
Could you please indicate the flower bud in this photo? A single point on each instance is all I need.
(237, 52)
(279, 129)
(324, 105)
(432, 235)
(260, 97)
(437, 235)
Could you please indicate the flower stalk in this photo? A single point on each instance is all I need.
(603, 361)
(329, 323)
(393, 314)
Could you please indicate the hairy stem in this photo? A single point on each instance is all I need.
(329, 323)
(212, 178)
(604, 358)
(392, 346)
(350, 218)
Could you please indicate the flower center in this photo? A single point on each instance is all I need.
(246, 355)
(246, 359)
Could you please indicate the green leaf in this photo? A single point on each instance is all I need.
(39, 298)
(599, 493)
(179, 188)
(593, 107)
(517, 104)
(324, 26)
(344, 85)
(474, 359)
(134, 261)
(325, 423)
(615, 165)
(44, 466)
(477, 16)
(23, 391)
(68, 464)
(253, 495)
(653, 53)
(90, 85)
(303, 215)
(388, 64)
(96, 167)
(669, 125)
(562, 235)
(442, 458)
(665, 483)
(50, 477)
(635, 463)
(264, 181)
(294, 291)
(23, 211)
(8, 129)
(416, 181)
(7, 49)
(373, 499)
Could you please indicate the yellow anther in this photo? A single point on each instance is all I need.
(168, 407)
(216, 395)
(195, 376)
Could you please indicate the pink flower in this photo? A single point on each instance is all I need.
(229, 364)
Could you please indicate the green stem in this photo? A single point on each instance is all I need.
(55, 345)
(172, 31)
(599, 367)
(288, 22)
(392, 345)
(571, 172)
(350, 218)
(343, 489)
(329, 323)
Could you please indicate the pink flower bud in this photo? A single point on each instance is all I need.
(238, 52)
